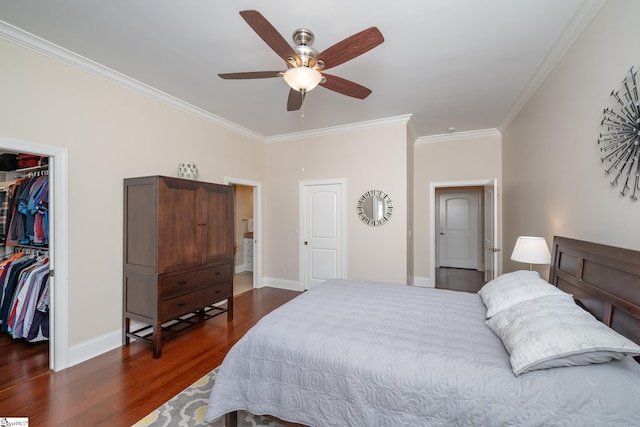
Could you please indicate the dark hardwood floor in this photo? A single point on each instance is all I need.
(121, 386)
(459, 279)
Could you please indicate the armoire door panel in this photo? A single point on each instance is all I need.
(217, 244)
(179, 229)
(140, 232)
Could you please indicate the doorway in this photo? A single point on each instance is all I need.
(58, 245)
(486, 235)
(243, 247)
(247, 232)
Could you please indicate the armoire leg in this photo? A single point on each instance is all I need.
(231, 419)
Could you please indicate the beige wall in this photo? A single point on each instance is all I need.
(110, 133)
(464, 157)
(366, 159)
(546, 162)
(554, 181)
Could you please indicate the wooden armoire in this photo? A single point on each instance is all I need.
(178, 256)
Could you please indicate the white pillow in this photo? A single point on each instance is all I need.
(512, 288)
(550, 332)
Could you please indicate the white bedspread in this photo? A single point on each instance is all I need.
(370, 354)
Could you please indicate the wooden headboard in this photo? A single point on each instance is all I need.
(604, 280)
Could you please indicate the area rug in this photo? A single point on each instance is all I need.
(188, 408)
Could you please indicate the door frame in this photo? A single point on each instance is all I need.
(432, 218)
(257, 225)
(303, 222)
(59, 249)
(494, 249)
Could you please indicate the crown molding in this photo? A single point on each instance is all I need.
(351, 127)
(473, 134)
(20, 37)
(587, 10)
(411, 131)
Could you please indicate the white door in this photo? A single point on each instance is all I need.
(459, 230)
(490, 230)
(322, 225)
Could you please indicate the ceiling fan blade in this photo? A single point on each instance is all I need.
(349, 48)
(270, 35)
(295, 100)
(345, 87)
(251, 75)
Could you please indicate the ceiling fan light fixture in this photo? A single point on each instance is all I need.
(302, 78)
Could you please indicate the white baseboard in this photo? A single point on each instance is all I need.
(95, 347)
(242, 268)
(424, 282)
(272, 282)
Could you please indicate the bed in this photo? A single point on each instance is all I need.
(352, 353)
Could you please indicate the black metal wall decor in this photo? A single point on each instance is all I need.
(620, 138)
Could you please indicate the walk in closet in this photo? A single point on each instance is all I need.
(24, 248)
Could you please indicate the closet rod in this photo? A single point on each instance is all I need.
(41, 171)
(37, 250)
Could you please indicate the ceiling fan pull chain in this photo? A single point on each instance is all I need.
(302, 111)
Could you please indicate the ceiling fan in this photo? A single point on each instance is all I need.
(305, 66)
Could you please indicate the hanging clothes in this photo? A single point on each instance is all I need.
(6, 194)
(28, 293)
(24, 307)
(27, 213)
(9, 287)
(24, 275)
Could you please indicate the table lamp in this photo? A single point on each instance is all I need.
(531, 250)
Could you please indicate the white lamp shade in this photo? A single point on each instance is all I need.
(532, 250)
(302, 78)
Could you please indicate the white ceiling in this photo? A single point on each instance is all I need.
(449, 63)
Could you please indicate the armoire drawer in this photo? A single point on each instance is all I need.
(183, 304)
(193, 280)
